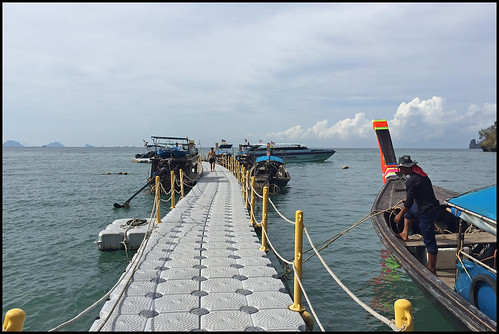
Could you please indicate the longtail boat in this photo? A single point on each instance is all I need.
(175, 154)
(466, 233)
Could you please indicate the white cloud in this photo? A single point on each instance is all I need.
(421, 118)
(415, 122)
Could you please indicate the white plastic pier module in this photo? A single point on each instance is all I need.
(129, 231)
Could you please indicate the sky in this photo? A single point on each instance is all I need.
(115, 74)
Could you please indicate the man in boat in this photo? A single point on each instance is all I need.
(212, 157)
(420, 204)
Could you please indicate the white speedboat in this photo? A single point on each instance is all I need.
(287, 152)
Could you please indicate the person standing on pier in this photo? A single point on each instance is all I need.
(212, 156)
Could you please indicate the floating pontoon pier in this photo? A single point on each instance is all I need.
(201, 269)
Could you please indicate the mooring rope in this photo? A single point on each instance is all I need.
(378, 316)
(127, 272)
(138, 256)
(327, 242)
(388, 322)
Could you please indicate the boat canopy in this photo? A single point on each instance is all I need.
(477, 207)
(269, 158)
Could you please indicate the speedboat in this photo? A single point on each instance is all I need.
(465, 282)
(287, 152)
(223, 150)
(225, 145)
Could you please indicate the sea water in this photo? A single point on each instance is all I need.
(57, 200)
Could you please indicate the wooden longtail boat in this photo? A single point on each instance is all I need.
(458, 240)
(269, 171)
(175, 154)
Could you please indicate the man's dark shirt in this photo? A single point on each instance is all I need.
(420, 189)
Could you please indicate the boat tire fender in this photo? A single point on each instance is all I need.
(474, 287)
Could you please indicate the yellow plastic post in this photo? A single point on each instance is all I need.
(181, 183)
(265, 206)
(243, 176)
(157, 199)
(403, 314)
(252, 211)
(246, 187)
(14, 320)
(172, 188)
(297, 306)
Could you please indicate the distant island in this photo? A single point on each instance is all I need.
(12, 143)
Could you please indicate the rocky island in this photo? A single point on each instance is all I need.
(12, 143)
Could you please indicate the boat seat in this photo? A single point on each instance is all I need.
(450, 239)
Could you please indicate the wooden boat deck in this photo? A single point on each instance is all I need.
(450, 240)
(448, 276)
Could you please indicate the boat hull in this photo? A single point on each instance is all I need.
(191, 169)
(304, 157)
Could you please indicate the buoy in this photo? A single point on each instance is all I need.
(14, 320)
(125, 173)
(345, 167)
(108, 173)
(403, 314)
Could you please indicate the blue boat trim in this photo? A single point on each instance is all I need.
(478, 207)
(269, 158)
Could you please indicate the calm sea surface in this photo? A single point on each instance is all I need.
(57, 200)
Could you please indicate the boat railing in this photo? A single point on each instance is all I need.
(403, 308)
